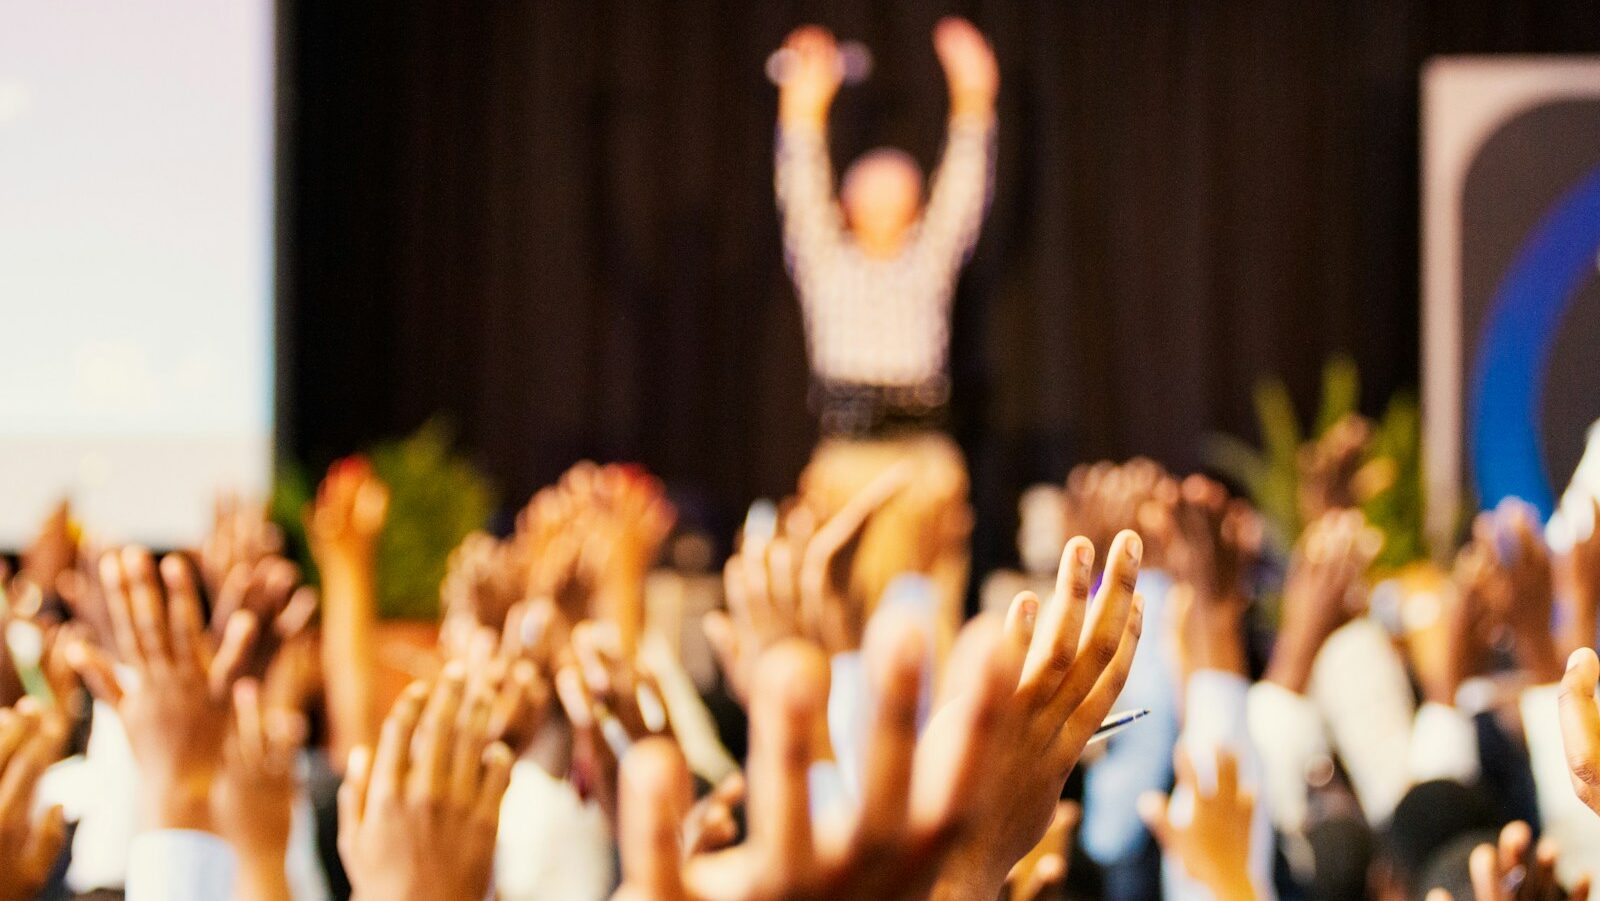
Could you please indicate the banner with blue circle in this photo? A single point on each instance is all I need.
(1513, 353)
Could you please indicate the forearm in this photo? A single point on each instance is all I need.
(262, 877)
(1292, 658)
(803, 180)
(621, 601)
(349, 655)
(1220, 642)
(960, 189)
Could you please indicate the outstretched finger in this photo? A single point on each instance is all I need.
(393, 757)
(1107, 625)
(785, 711)
(233, 652)
(1483, 866)
(353, 791)
(496, 778)
(149, 610)
(189, 647)
(114, 589)
(1084, 717)
(895, 655)
(1055, 640)
(434, 739)
(96, 670)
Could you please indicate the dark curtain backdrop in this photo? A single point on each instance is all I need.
(553, 222)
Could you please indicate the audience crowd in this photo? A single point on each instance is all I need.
(204, 725)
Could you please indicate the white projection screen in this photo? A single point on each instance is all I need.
(136, 261)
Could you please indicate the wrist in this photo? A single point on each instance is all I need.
(1293, 658)
(347, 567)
(263, 875)
(1234, 886)
(976, 108)
(1540, 658)
(963, 881)
(1220, 644)
(795, 114)
(177, 802)
(1290, 672)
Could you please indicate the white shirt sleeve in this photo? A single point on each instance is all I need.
(1286, 729)
(1359, 683)
(1444, 745)
(813, 225)
(552, 845)
(1574, 827)
(180, 865)
(960, 194)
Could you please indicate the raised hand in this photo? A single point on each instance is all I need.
(240, 535)
(889, 848)
(969, 67)
(1210, 545)
(1324, 590)
(33, 656)
(588, 542)
(345, 519)
(1514, 869)
(1580, 725)
(343, 525)
(1214, 843)
(1516, 583)
(512, 666)
(611, 700)
(29, 742)
(1103, 498)
(1065, 665)
(813, 77)
(53, 550)
(1214, 541)
(270, 591)
(797, 583)
(177, 707)
(484, 578)
(1328, 468)
(252, 803)
(417, 817)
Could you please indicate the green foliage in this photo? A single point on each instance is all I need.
(436, 498)
(291, 491)
(1270, 475)
(1398, 510)
(1281, 437)
(1341, 392)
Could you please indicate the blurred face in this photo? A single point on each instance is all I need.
(882, 197)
